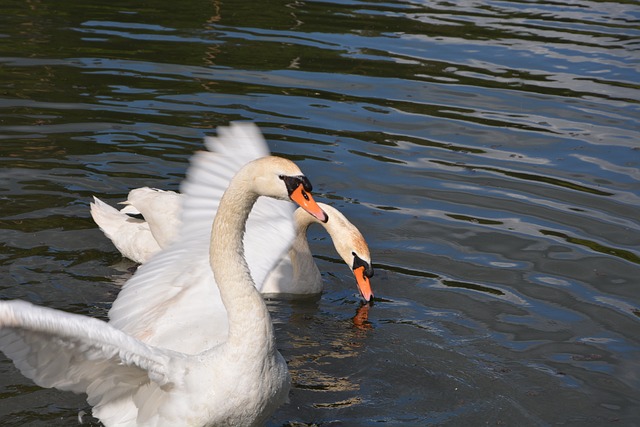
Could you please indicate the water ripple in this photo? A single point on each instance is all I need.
(488, 151)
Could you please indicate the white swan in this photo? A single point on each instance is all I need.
(170, 302)
(295, 274)
(132, 383)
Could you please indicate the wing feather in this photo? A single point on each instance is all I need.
(70, 352)
(269, 229)
(173, 300)
(131, 236)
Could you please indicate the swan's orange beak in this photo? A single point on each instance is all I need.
(306, 202)
(364, 286)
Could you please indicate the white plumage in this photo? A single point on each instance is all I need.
(128, 369)
(294, 274)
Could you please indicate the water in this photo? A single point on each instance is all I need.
(488, 151)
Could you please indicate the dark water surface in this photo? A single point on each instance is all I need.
(488, 151)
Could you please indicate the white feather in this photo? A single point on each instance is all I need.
(225, 370)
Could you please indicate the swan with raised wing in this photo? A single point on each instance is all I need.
(169, 301)
(295, 273)
(239, 381)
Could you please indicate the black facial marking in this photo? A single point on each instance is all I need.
(293, 182)
(306, 184)
(359, 262)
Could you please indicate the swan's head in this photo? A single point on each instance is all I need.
(351, 247)
(282, 179)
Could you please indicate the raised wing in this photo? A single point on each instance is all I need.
(69, 351)
(268, 238)
(173, 301)
(211, 171)
(270, 229)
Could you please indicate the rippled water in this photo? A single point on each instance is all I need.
(489, 152)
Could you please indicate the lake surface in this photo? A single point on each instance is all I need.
(488, 151)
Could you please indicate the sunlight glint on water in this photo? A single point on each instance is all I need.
(488, 151)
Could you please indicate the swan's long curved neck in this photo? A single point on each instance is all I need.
(304, 267)
(249, 321)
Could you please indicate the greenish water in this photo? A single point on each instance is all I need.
(488, 151)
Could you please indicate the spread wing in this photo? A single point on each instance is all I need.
(172, 300)
(126, 380)
(269, 230)
(69, 351)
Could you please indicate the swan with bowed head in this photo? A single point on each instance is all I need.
(151, 220)
(144, 368)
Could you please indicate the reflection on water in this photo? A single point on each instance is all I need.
(488, 151)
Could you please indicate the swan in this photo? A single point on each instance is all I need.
(295, 274)
(135, 238)
(169, 301)
(239, 381)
